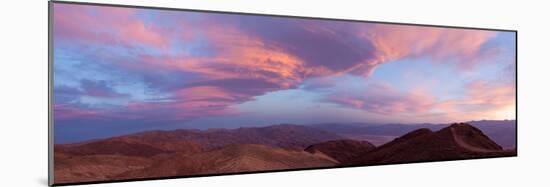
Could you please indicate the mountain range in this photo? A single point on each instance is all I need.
(156, 154)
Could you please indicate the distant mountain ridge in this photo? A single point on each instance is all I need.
(503, 132)
(156, 142)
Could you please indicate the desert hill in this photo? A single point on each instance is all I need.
(243, 149)
(458, 141)
(231, 159)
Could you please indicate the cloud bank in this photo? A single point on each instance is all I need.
(177, 66)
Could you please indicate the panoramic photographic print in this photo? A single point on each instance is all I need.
(145, 93)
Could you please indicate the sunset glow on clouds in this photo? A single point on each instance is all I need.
(124, 70)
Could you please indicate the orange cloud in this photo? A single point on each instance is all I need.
(239, 57)
(483, 100)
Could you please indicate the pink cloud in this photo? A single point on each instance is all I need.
(65, 111)
(189, 103)
(386, 100)
(482, 100)
(107, 25)
(208, 98)
(393, 42)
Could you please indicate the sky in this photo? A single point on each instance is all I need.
(120, 70)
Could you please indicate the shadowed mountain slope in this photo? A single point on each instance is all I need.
(342, 150)
(458, 141)
(502, 132)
